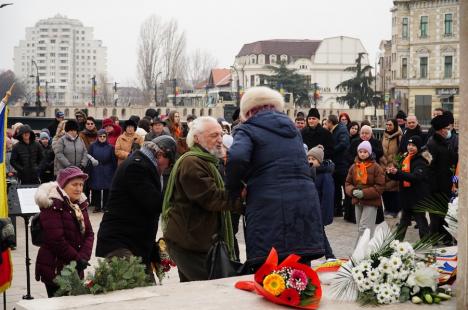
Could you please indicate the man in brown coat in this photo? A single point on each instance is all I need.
(195, 199)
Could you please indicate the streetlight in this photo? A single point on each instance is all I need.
(93, 90)
(156, 89)
(38, 87)
(116, 96)
(237, 88)
(46, 92)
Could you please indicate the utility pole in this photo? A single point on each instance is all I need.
(174, 88)
(46, 92)
(237, 88)
(116, 96)
(93, 90)
(156, 89)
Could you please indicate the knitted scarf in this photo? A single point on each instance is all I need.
(406, 167)
(360, 171)
(225, 215)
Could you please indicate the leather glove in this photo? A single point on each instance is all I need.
(358, 193)
(81, 265)
(93, 160)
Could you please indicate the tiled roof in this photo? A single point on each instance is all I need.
(220, 77)
(293, 48)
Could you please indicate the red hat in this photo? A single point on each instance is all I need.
(107, 122)
(69, 173)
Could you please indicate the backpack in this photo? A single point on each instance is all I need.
(36, 230)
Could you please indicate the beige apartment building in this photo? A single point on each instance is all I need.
(425, 57)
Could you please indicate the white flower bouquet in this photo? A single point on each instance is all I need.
(385, 271)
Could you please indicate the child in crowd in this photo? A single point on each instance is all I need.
(365, 184)
(414, 186)
(325, 189)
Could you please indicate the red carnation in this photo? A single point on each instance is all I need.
(290, 296)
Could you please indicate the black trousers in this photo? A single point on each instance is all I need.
(190, 265)
(438, 221)
(99, 198)
(51, 289)
(391, 201)
(406, 215)
(235, 219)
(339, 179)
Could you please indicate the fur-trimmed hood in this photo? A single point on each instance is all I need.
(427, 156)
(47, 192)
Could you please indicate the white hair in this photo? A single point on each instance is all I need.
(260, 96)
(198, 126)
(366, 128)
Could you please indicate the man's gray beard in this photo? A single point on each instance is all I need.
(218, 153)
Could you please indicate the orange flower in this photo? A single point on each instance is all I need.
(274, 284)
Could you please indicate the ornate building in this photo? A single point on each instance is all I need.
(425, 56)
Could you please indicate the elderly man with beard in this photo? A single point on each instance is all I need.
(195, 201)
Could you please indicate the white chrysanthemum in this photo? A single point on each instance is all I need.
(374, 275)
(385, 266)
(395, 262)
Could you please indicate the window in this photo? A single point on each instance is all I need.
(404, 68)
(404, 30)
(52, 54)
(252, 80)
(423, 27)
(423, 67)
(448, 64)
(448, 22)
(272, 59)
(284, 58)
(253, 59)
(52, 41)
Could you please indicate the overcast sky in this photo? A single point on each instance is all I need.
(220, 27)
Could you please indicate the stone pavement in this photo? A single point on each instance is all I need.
(342, 236)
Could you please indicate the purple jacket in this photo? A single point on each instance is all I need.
(62, 240)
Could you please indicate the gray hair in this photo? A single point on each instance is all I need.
(198, 126)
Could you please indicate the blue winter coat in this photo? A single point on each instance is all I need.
(341, 139)
(326, 190)
(101, 175)
(283, 209)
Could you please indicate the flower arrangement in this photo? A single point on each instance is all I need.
(385, 271)
(162, 263)
(289, 283)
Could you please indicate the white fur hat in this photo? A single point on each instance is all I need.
(260, 96)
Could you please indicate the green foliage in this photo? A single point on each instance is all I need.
(69, 282)
(367, 298)
(358, 88)
(405, 294)
(110, 275)
(118, 274)
(290, 81)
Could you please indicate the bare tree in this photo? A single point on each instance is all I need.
(7, 78)
(173, 51)
(105, 96)
(199, 66)
(149, 47)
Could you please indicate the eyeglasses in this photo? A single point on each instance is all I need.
(89, 124)
(102, 136)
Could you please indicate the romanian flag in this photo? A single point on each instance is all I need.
(6, 267)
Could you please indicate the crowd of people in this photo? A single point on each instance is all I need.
(288, 179)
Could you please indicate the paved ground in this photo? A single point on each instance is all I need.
(342, 236)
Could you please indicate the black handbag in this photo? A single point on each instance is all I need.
(36, 230)
(218, 263)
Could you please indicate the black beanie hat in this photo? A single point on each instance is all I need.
(313, 113)
(416, 140)
(71, 125)
(401, 115)
(450, 116)
(130, 122)
(440, 121)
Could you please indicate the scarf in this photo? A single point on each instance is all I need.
(406, 167)
(225, 215)
(177, 131)
(360, 171)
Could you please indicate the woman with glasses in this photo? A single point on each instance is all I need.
(89, 134)
(102, 170)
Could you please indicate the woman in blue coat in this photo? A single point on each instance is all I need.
(104, 164)
(283, 209)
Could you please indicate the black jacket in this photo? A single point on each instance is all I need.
(443, 162)
(133, 209)
(46, 167)
(341, 144)
(318, 135)
(26, 157)
(377, 150)
(53, 127)
(407, 134)
(418, 177)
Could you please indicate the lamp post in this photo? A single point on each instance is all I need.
(38, 88)
(46, 92)
(156, 88)
(93, 90)
(237, 88)
(116, 96)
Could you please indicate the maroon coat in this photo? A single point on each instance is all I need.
(62, 240)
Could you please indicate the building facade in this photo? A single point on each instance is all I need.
(67, 57)
(425, 56)
(320, 61)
